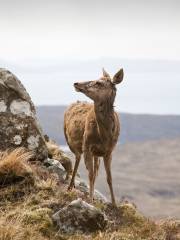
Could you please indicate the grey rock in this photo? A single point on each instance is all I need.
(79, 216)
(54, 152)
(10, 82)
(55, 166)
(84, 187)
(99, 196)
(19, 125)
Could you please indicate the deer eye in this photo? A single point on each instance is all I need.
(98, 83)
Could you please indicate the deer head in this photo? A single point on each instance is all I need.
(102, 89)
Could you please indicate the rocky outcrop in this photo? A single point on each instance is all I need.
(81, 185)
(55, 166)
(19, 125)
(58, 158)
(79, 216)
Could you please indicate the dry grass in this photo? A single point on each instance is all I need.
(26, 209)
(14, 166)
(55, 153)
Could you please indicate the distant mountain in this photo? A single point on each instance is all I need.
(134, 127)
(149, 86)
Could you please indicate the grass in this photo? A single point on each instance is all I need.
(14, 166)
(26, 207)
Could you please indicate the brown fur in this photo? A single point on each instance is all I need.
(93, 129)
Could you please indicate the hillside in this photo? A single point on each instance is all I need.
(31, 196)
(146, 173)
(141, 164)
(134, 127)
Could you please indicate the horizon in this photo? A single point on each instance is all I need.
(149, 86)
(121, 112)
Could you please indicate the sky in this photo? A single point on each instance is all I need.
(43, 34)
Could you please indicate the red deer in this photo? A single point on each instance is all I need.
(93, 129)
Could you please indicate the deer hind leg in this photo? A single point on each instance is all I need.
(96, 168)
(107, 164)
(72, 184)
(88, 159)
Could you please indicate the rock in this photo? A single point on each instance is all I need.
(99, 196)
(19, 125)
(55, 166)
(55, 153)
(80, 216)
(83, 187)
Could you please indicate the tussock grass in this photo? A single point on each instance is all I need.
(26, 207)
(14, 166)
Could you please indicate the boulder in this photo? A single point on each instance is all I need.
(79, 216)
(81, 185)
(55, 166)
(19, 125)
(64, 173)
(55, 153)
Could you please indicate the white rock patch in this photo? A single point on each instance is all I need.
(19, 107)
(33, 142)
(21, 126)
(17, 139)
(79, 216)
(3, 106)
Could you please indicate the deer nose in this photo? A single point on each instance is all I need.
(75, 84)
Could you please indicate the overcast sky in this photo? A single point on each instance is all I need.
(38, 33)
(80, 28)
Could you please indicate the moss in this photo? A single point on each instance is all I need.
(130, 215)
(26, 208)
(172, 229)
(40, 218)
(36, 216)
(69, 195)
(99, 205)
(49, 184)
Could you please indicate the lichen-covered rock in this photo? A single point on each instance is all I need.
(80, 216)
(83, 187)
(64, 172)
(55, 166)
(19, 125)
(54, 152)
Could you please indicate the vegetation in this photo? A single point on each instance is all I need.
(26, 206)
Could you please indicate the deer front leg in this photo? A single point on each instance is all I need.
(72, 184)
(107, 165)
(88, 159)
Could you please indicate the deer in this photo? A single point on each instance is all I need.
(92, 129)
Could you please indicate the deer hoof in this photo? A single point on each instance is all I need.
(71, 187)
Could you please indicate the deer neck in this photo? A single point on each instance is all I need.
(104, 113)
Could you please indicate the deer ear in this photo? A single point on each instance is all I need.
(105, 74)
(118, 77)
